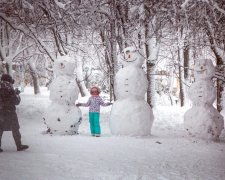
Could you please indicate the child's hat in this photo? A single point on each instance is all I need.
(95, 87)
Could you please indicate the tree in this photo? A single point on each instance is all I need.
(211, 16)
(11, 45)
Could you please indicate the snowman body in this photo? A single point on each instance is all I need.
(131, 114)
(62, 116)
(127, 80)
(203, 120)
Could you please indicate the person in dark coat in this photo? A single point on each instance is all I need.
(9, 98)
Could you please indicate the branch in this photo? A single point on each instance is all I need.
(18, 27)
(33, 36)
(103, 12)
(21, 50)
(20, 40)
(218, 8)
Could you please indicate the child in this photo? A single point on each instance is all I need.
(94, 103)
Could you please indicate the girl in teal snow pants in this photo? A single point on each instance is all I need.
(94, 103)
(94, 123)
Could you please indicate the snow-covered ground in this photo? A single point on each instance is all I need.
(166, 155)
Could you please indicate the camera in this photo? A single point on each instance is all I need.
(17, 91)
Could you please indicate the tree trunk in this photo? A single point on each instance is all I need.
(171, 84)
(35, 78)
(113, 44)
(80, 78)
(219, 83)
(150, 90)
(186, 61)
(148, 67)
(111, 79)
(219, 64)
(219, 87)
(22, 85)
(9, 67)
(80, 88)
(151, 50)
(109, 63)
(122, 16)
(180, 80)
(2, 68)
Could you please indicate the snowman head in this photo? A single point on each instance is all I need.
(204, 69)
(131, 56)
(64, 66)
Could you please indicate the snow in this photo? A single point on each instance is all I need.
(131, 82)
(185, 4)
(130, 114)
(166, 155)
(203, 120)
(131, 117)
(27, 5)
(61, 5)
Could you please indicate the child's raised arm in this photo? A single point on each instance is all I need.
(102, 103)
(84, 104)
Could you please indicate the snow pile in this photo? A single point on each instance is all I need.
(131, 115)
(62, 116)
(33, 108)
(203, 120)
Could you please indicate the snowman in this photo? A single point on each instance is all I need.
(131, 114)
(203, 120)
(62, 116)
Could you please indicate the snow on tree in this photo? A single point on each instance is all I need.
(79, 74)
(203, 120)
(131, 114)
(11, 45)
(62, 116)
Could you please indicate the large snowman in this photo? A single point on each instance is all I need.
(62, 116)
(131, 114)
(203, 120)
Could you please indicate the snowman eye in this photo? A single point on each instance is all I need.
(128, 51)
(62, 65)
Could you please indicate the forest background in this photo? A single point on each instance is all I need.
(171, 35)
